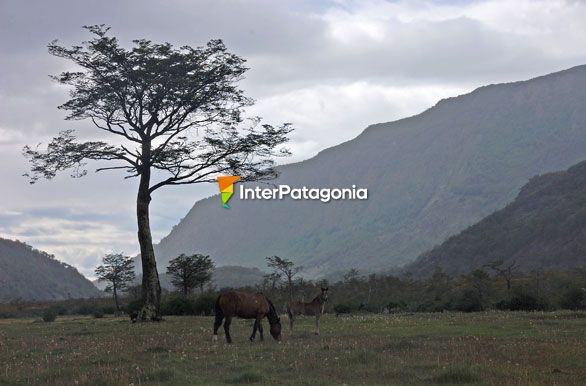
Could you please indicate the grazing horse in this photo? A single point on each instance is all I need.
(247, 306)
(315, 307)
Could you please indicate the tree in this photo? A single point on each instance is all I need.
(189, 272)
(118, 271)
(204, 269)
(173, 116)
(286, 268)
(270, 280)
(506, 272)
(480, 282)
(351, 276)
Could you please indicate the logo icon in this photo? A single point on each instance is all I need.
(226, 184)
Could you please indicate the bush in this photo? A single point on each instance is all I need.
(85, 309)
(134, 306)
(49, 315)
(343, 308)
(108, 310)
(574, 299)
(469, 302)
(204, 305)
(522, 302)
(177, 305)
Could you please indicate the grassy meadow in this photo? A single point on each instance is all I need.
(493, 348)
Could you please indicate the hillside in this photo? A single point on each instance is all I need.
(429, 177)
(29, 274)
(543, 228)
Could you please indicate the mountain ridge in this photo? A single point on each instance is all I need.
(544, 228)
(29, 274)
(465, 157)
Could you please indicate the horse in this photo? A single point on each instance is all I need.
(247, 306)
(315, 307)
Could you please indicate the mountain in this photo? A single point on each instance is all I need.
(544, 228)
(429, 176)
(29, 274)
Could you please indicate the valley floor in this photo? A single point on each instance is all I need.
(444, 348)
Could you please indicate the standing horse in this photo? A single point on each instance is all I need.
(247, 306)
(315, 307)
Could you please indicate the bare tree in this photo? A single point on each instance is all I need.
(173, 116)
(118, 271)
(507, 272)
(286, 268)
(270, 280)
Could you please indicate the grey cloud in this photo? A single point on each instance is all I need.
(301, 71)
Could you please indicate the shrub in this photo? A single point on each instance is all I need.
(204, 305)
(177, 306)
(343, 308)
(574, 299)
(49, 315)
(469, 302)
(85, 309)
(522, 302)
(134, 306)
(108, 310)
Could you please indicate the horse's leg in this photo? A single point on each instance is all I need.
(227, 328)
(259, 321)
(254, 330)
(217, 324)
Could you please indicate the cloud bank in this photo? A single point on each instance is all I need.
(329, 67)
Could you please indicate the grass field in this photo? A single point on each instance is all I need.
(444, 348)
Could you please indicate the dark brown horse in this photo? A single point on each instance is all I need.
(247, 306)
(315, 307)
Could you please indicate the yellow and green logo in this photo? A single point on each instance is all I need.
(226, 184)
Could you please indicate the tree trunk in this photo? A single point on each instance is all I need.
(116, 298)
(151, 287)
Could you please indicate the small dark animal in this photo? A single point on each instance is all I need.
(247, 306)
(133, 316)
(315, 307)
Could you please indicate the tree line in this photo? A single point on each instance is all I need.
(495, 286)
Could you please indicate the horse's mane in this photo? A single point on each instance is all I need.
(272, 316)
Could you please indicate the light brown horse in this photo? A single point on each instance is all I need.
(315, 307)
(247, 306)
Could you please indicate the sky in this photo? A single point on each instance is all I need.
(329, 67)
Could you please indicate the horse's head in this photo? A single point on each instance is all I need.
(276, 329)
(324, 294)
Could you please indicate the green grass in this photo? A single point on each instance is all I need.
(443, 348)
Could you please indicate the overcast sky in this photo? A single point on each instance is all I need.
(329, 67)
